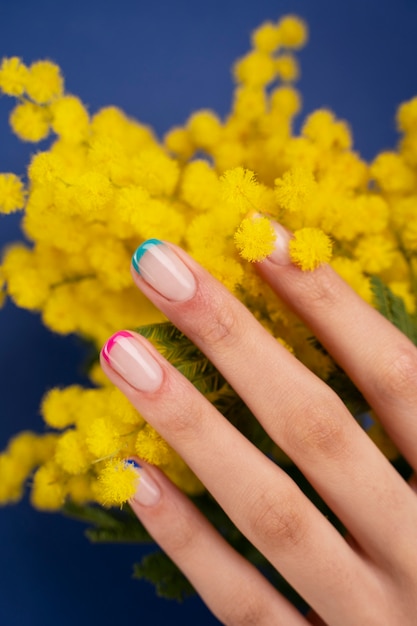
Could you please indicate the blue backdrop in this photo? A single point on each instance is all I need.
(158, 61)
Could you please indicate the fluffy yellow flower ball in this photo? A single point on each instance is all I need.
(309, 248)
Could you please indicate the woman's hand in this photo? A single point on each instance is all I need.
(369, 579)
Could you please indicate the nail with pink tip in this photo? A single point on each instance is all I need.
(133, 362)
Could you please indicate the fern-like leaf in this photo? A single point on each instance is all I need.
(174, 345)
(108, 525)
(158, 569)
(125, 533)
(392, 307)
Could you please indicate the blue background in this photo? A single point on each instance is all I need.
(159, 61)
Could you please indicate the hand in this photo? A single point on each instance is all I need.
(369, 578)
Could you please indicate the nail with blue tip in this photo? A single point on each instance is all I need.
(148, 492)
(161, 268)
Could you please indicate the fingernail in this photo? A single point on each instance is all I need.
(161, 268)
(280, 255)
(133, 362)
(147, 491)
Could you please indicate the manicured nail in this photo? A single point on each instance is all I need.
(280, 254)
(161, 268)
(133, 362)
(147, 491)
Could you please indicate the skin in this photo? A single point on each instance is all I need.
(370, 578)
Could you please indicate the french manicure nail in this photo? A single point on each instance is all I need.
(280, 255)
(147, 491)
(133, 362)
(161, 268)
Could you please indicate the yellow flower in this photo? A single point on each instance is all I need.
(60, 407)
(255, 238)
(296, 189)
(228, 154)
(71, 453)
(352, 273)
(156, 171)
(80, 489)
(109, 259)
(70, 119)
(204, 129)
(293, 31)
(178, 141)
(116, 483)
(375, 253)
(150, 447)
(48, 488)
(28, 287)
(60, 311)
(286, 67)
(103, 438)
(226, 270)
(250, 103)
(256, 69)
(392, 173)
(286, 100)
(13, 76)
(119, 407)
(240, 189)
(200, 185)
(322, 128)
(309, 248)
(12, 193)
(11, 484)
(266, 37)
(402, 289)
(407, 116)
(44, 82)
(30, 121)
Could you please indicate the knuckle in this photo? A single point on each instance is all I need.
(182, 413)
(276, 520)
(217, 326)
(246, 611)
(398, 376)
(318, 429)
(321, 292)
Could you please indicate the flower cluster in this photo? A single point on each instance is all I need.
(106, 183)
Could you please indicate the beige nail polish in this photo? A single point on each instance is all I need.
(280, 255)
(147, 491)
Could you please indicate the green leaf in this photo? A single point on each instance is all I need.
(108, 525)
(392, 307)
(93, 515)
(125, 533)
(184, 355)
(158, 569)
(174, 345)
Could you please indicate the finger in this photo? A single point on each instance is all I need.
(232, 588)
(258, 496)
(377, 357)
(303, 416)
